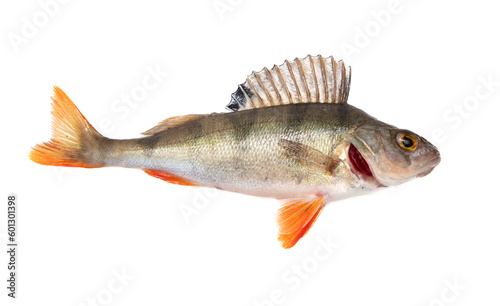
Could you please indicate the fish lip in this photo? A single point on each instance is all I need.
(433, 162)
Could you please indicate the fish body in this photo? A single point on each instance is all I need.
(243, 151)
(292, 136)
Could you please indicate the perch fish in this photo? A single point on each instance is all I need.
(290, 135)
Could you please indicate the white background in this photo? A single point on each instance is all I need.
(415, 63)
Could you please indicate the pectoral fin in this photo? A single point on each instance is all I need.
(309, 157)
(296, 218)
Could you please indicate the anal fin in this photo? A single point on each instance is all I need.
(295, 218)
(170, 178)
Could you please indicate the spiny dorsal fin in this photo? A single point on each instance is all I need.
(172, 122)
(313, 79)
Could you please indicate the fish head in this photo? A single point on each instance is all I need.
(390, 156)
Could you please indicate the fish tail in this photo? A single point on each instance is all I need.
(74, 141)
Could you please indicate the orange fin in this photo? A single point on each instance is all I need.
(72, 137)
(172, 122)
(296, 218)
(168, 177)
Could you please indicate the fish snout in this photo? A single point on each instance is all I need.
(431, 160)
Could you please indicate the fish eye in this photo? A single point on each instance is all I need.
(407, 142)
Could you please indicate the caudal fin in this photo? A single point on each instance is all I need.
(73, 141)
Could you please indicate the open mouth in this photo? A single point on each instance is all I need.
(358, 162)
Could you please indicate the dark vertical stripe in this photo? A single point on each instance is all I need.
(343, 114)
(296, 115)
(243, 125)
(148, 144)
(342, 123)
(196, 128)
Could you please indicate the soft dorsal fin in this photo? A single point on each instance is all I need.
(313, 79)
(172, 122)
